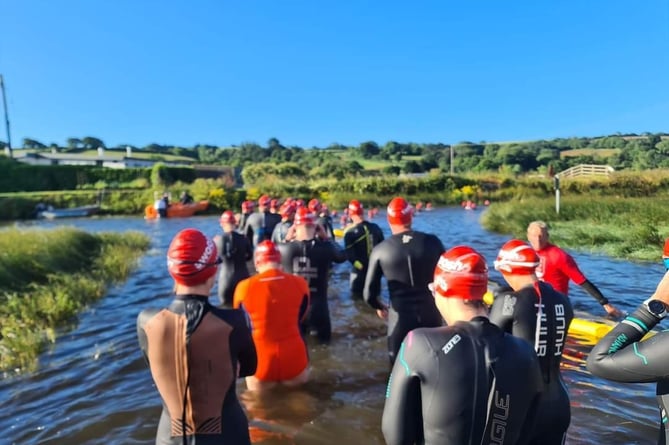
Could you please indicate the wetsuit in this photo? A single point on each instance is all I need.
(622, 356)
(541, 316)
(235, 250)
(312, 260)
(407, 260)
(194, 351)
(359, 240)
(469, 383)
(557, 267)
(276, 303)
(241, 224)
(260, 225)
(325, 221)
(280, 231)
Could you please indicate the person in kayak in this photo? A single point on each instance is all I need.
(465, 383)
(537, 313)
(196, 351)
(557, 267)
(621, 356)
(312, 258)
(277, 302)
(234, 250)
(407, 260)
(359, 240)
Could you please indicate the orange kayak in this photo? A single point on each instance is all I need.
(177, 210)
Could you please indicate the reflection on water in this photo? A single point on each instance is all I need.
(93, 387)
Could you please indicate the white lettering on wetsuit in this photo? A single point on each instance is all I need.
(560, 325)
(452, 342)
(541, 345)
(302, 267)
(500, 415)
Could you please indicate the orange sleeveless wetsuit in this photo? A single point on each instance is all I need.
(274, 301)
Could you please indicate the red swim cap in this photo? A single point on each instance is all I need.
(192, 257)
(399, 211)
(516, 257)
(264, 200)
(247, 206)
(665, 251)
(266, 252)
(304, 217)
(287, 210)
(355, 207)
(314, 205)
(461, 273)
(228, 217)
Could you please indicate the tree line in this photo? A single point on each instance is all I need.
(621, 151)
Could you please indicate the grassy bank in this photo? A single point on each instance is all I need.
(48, 276)
(629, 228)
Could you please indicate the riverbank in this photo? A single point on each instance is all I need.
(626, 228)
(48, 276)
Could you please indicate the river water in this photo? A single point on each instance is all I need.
(93, 387)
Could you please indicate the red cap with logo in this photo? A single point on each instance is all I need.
(266, 252)
(304, 217)
(399, 211)
(191, 257)
(355, 207)
(287, 210)
(247, 206)
(314, 205)
(228, 217)
(461, 273)
(517, 257)
(264, 200)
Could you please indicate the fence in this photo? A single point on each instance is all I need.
(586, 170)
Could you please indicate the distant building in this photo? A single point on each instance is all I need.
(102, 159)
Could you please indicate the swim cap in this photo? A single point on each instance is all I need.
(461, 273)
(399, 211)
(266, 252)
(665, 251)
(264, 200)
(287, 210)
(314, 205)
(247, 206)
(228, 217)
(192, 257)
(304, 217)
(516, 257)
(355, 207)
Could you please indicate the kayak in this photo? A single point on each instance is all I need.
(177, 210)
(339, 233)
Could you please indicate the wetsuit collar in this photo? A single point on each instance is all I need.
(201, 298)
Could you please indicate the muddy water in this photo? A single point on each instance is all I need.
(93, 387)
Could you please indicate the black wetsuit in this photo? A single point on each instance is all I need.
(359, 240)
(313, 260)
(280, 231)
(622, 356)
(260, 225)
(543, 322)
(195, 373)
(241, 224)
(235, 250)
(469, 383)
(325, 221)
(407, 260)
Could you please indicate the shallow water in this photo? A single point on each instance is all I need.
(93, 387)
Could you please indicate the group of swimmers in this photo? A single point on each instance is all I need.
(490, 375)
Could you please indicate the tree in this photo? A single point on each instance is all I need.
(33, 144)
(91, 143)
(73, 143)
(369, 149)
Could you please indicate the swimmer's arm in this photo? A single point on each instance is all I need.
(372, 287)
(498, 316)
(248, 360)
(402, 419)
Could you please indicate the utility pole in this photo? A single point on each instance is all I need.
(4, 103)
(451, 147)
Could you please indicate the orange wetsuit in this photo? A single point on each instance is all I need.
(276, 302)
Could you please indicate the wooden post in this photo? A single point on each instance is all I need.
(556, 185)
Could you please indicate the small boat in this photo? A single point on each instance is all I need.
(177, 210)
(73, 212)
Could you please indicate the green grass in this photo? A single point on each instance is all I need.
(595, 152)
(48, 276)
(629, 228)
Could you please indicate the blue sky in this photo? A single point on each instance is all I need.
(313, 73)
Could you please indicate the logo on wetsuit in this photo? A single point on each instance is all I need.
(302, 267)
(500, 414)
(452, 342)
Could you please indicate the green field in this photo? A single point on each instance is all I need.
(595, 152)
